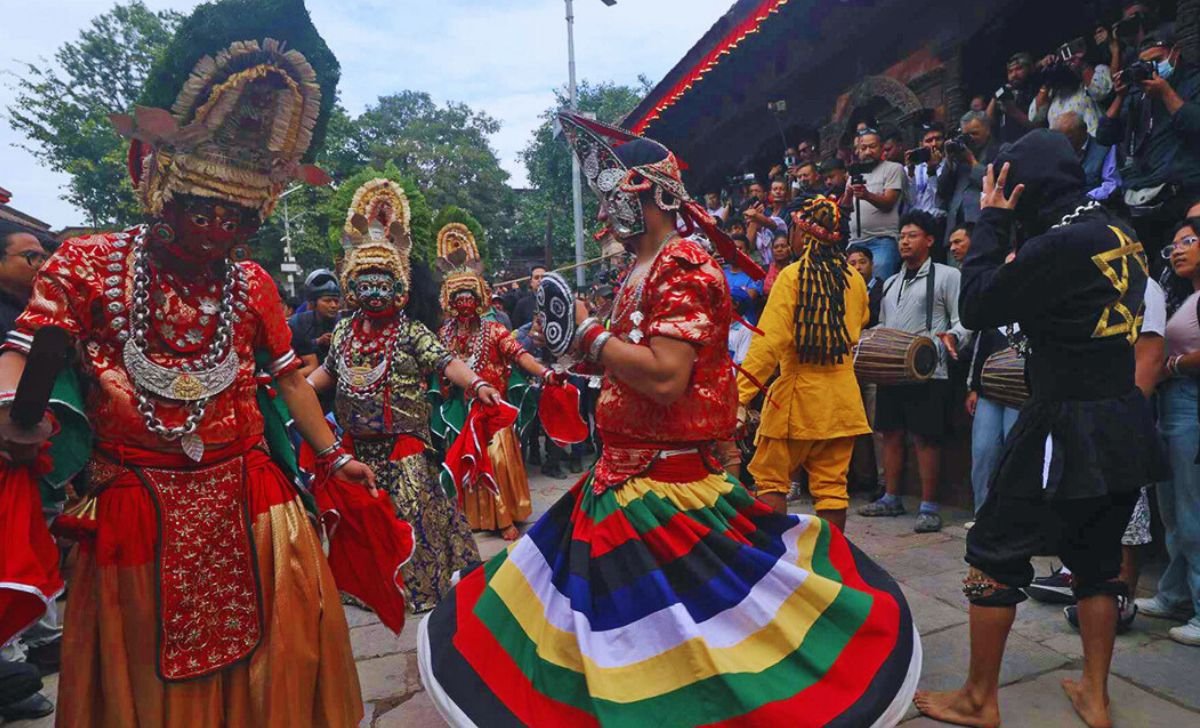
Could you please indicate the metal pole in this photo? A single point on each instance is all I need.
(576, 190)
(288, 260)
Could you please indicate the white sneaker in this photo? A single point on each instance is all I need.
(1159, 609)
(1187, 634)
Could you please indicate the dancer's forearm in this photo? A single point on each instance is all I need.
(301, 400)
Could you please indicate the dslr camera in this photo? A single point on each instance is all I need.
(957, 145)
(1138, 71)
(1005, 93)
(920, 155)
(857, 170)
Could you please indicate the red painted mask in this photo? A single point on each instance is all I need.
(465, 305)
(206, 230)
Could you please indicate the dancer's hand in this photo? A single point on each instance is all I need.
(358, 472)
(993, 190)
(25, 451)
(488, 395)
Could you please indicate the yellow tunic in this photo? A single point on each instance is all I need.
(812, 402)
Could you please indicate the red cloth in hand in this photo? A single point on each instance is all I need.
(367, 546)
(467, 459)
(559, 412)
(29, 576)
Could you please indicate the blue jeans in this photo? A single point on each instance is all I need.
(885, 255)
(1179, 497)
(988, 432)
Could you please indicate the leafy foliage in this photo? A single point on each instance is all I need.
(548, 161)
(64, 114)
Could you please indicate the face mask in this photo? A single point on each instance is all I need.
(376, 291)
(1164, 68)
(465, 306)
(204, 230)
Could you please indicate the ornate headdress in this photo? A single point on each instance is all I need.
(814, 229)
(249, 85)
(612, 180)
(376, 234)
(459, 261)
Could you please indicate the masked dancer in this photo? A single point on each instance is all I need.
(658, 590)
(381, 360)
(1084, 444)
(201, 597)
(817, 308)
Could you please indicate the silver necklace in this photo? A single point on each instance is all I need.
(363, 382)
(1071, 216)
(194, 383)
(476, 346)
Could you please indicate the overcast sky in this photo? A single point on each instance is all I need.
(504, 57)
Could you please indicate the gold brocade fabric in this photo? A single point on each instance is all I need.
(488, 512)
(442, 541)
(301, 674)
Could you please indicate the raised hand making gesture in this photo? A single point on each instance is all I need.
(993, 190)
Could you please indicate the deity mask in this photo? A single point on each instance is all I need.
(201, 231)
(466, 305)
(377, 292)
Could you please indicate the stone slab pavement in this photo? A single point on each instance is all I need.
(1154, 681)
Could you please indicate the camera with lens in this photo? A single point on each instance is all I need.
(857, 170)
(1137, 72)
(920, 155)
(957, 145)
(790, 160)
(1005, 93)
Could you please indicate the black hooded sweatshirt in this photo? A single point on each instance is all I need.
(1076, 290)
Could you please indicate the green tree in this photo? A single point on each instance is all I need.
(445, 150)
(64, 114)
(548, 162)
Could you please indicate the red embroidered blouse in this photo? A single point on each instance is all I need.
(685, 297)
(499, 351)
(85, 288)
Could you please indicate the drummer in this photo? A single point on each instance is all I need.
(921, 299)
(990, 419)
(814, 411)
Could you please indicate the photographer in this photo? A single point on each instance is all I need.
(764, 217)
(961, 181)
(715, 206)
(808, 179)
(1007, 109)
(873, 195)
(923, 166)
(1100, 174)
(1156, 120)
(1072, 81)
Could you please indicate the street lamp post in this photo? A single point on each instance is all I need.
(576, 190)
(288, 266)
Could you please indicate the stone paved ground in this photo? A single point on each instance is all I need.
(1154, 682)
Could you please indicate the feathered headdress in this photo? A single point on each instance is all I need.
(814, 229)
(596, 144)
(249, 85)
(460, 264)
(376, 235)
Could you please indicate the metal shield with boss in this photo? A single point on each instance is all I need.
(556, 313)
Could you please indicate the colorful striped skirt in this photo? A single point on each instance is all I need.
(670, 604)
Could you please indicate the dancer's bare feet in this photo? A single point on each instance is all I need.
(1092, 708)
(511, 533)
(959, 708)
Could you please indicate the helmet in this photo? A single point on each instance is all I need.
(321, 282)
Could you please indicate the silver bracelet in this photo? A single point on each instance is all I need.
(583, 328)
(598, 345)
(331, 449)
(341, 462)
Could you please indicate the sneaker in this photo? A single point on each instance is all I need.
(1126, 611)
(795, 493)
(882, 509)
(554, 471)
(1186, 634)
(35, 706)
(1156, 607)
(18, 681)
(1053, 589)
(928, 522)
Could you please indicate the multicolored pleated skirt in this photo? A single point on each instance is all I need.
(668, 604)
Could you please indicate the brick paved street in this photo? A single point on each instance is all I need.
(1154, 684)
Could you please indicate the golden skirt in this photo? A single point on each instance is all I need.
(488, 512)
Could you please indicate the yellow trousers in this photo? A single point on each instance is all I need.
(825, 461)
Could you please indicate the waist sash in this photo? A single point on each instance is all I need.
(623, 458)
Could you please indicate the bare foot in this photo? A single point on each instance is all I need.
(510, 533)
(1092, 709)
(959, 708)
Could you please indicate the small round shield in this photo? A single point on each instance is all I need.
(556, 313)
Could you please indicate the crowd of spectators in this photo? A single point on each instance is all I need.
(1128, 101)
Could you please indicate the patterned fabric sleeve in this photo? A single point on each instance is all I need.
(684, 295)
(510, 349)
(63, 295)
(274, 336)
(427, 349)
